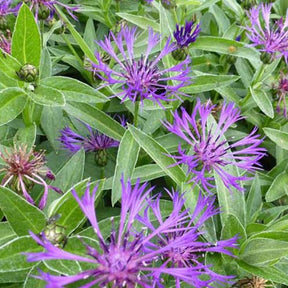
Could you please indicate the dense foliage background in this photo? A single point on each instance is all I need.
(66, 91)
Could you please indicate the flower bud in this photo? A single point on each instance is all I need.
(266, 58)
(28, 73)
(168, 4)
(43, 12)
(54, 233)
(180, 54)
(101, 157)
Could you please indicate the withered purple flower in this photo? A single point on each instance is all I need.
(189, 232)
(127, 259)
(270, 38)
(282, 91)
(5, 43)
(141, 78)
(209, 152)
(23, 168)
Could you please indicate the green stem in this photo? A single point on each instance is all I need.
(102, 176)
(28, 112)
(175, 16)
(259, 74)
(136, 113)
(117, 6)
(72, 49)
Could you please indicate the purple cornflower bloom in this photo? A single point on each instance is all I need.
(5, 8)
(46, 8)
(189, 232)
(141, 78)
(184, 35)
(95, 141)
(282, 91)
(25, 168)
(126, 260)
(272, 39)
(208, 149)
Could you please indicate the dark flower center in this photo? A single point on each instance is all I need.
(142, 77)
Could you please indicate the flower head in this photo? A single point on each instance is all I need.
(271, 38)
(282, 91)
(140, 78)
(189, 233)
(184, 35)
(94, 141)
(23, 168)
(208, 149)
(46, 8)
(128, 258)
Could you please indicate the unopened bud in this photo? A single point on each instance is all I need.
(43, 12)
(266, 58)
(180, 54)
(28, 73)
(101, 157)
(168, 4)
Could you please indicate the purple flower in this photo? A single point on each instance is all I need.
(25, 168)
(94, 141)
(141, 78)
(127, 259)
(189, 232)
(5, 8)
(272, 39)
(46, 8)
(184, 35)
(208, 149)
(282, 91)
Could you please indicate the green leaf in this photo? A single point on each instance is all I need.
(262, 251)
(45, 95)
(157, 153)
(267, 272)
(26, 41)
(26, 135)
(277, 136)
(140, 21)
(82, 44)
(9, 65)
(22, 216)
(6, 233)
(45, 65)
(209, 82)
(254, 200)
(52, 121)
(96, 119)
(13, 264)
(233, 227)
(69, 175)
(75, 90)
(12, 102)
(31, 281)
(144, 173)
(221, 45)
(71, 214)
(125, 164)
(263, 101)
(278, 188)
